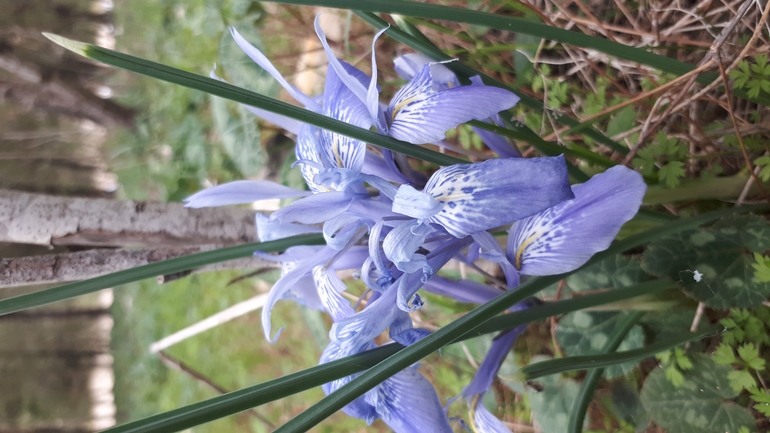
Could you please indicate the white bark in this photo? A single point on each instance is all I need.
(81, 265)
(51, 220)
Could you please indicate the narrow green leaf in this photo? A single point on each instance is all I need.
(585, 333)
(578, 414)
(228, 404)
(166, 267)
(511, 24)
(476, 317)
(587, 362)
(547, 147)
(243, 96)
(231, 403)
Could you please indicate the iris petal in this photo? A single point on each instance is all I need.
(306, 149)
(408, 403)
(270, 231)
(287, 282)
(340, 103)
(265, 64)
(421, 115)
(241, 192)
(287, 123)
(463, 290)
(329, 288)
(488, 194)
(402, 242)
(483, 420)
(351, 82)
(314, 209)
(564, 237)
(409, 65)
(358, 408)
(410, 202)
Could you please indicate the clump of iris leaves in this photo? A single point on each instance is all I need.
(715, 258)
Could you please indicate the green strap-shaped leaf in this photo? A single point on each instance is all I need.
(511, 24)
(587, 362)
(165, 267)
(237, 94)
(476, 317)
(234, 402)
(578, 414)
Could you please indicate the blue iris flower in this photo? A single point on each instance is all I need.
(557, 240)
(396, 230)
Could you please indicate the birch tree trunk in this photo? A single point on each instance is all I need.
(80, 265)
(93, 222)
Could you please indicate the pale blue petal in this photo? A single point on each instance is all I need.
(410, 336)
(421, 115)
(353, 258)
(339, 230)
(287, 282)
(265, 64)
(492, 251)
(564, 237)
(287, 123)
(368, 323)
(341, 104)
(377, 166)
(358, 408)
(317, 208)
(485, 375)
(382, 312)
(409, 284)
(409, 65)
(241, 192)
(373, 93)
(375, 251)
(497, 143)
(270, 231)
(408, 403)
(402, 322)
(351, 82)
(291, 256)
(464, 290)
(488, 194)
(304, 292)
(402, 242)
(410, 202)
(329, 288)
(306, 149)
(483, 421)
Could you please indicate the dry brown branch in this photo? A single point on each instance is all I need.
(178, 365)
